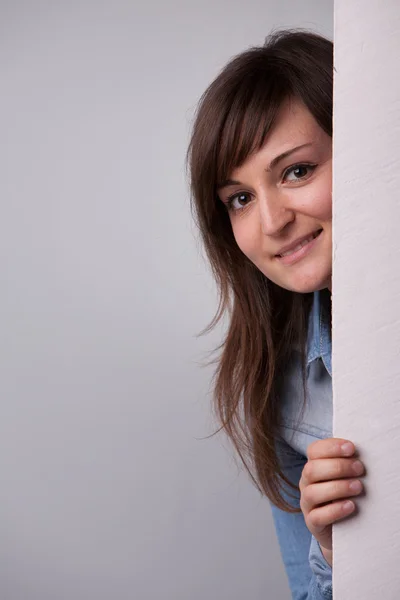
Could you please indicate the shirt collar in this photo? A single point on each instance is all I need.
(319, 339)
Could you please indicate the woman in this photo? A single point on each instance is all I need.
(261, 168)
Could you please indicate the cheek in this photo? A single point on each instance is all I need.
(324, 206)
(322, 199)
(245, 233)
(317, 202)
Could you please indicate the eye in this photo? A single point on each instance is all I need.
(238, 201)
(298, 172)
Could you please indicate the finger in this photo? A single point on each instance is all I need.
(321, 493)
(326, 469)
(329, 448)
(321, 517)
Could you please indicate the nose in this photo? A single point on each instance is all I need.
(275, 214)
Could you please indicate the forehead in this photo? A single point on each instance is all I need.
(293, 126)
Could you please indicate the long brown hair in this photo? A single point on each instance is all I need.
(233, 119)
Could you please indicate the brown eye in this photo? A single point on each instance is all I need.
(298, 172)
(238, 201)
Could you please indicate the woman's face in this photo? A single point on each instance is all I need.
(280, 203)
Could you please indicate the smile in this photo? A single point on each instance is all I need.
(299, 249)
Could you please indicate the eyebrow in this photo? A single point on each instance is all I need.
(280, 157)
(271, 165)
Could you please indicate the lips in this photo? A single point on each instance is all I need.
(298, 244)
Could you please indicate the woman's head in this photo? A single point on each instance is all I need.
(252, 204)
(260, 167)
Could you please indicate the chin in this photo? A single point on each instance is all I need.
(307, 285)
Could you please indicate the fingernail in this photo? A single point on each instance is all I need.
(356, 486)
(358, 467)
(348, 506)
(347, 448)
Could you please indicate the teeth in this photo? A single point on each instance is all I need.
(303, 243)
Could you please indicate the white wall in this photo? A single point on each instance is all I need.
(366, 284)
(107, 489)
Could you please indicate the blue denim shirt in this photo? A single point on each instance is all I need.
(309, 575)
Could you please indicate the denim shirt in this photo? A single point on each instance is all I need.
(309, 574)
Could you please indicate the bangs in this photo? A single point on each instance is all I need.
(248, 119)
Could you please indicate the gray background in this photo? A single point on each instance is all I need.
(109, 488)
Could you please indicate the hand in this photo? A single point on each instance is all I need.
(325, 488)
